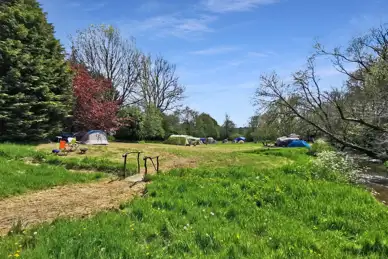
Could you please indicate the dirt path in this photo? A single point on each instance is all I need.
(65, 201)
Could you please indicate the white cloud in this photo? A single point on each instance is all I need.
(215, 50)
(256, 54)
(223, 6)
(173, 25)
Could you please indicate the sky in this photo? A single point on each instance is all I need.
(221, 47)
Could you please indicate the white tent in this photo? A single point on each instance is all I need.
(95, 137)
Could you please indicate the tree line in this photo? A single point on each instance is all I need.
(105, 83)
(352, 115)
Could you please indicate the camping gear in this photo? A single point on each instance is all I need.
(95, 137)
(62, 144)
(239, 139)
(211, 140)
(183, 140)
(83, 150)
(284, 141)
(299, 143)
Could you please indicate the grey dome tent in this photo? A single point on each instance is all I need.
(95, 137)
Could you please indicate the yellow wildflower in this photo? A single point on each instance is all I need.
(16, 255)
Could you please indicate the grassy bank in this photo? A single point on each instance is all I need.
(240, 212)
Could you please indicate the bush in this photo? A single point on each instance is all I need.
(111, 138)
(319, 146)
(332, 165)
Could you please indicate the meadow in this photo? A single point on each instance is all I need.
(227, 201)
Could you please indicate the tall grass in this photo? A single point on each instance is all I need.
(239, 212)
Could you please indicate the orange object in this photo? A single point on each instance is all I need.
(62, 144)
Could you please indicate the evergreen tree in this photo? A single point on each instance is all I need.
(35, 80)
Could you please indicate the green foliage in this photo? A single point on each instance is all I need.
(111, 138)
(332, 164)
(320, 145)
(206, 126)
(35, 80)
(133, 127)
(171, 124)
(153, 123)
(228, 128)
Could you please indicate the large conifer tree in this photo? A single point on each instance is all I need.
(35, 80)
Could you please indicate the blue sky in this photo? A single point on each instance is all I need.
(221, 47)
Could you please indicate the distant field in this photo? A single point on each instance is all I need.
(171, 156)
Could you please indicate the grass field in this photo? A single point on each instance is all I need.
(18, 176)
(242, 201)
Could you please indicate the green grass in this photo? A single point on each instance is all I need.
(17, 177)
(251, 211)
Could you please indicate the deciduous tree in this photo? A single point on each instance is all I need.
(159, 85)
(93, 108)
(103, 51)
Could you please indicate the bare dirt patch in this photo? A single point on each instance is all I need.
(65, 201)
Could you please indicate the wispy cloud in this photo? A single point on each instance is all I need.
(215, 50)
(223, 6)
(256, 54)
(173, 25)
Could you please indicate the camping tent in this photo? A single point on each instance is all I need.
(211, 140)
(299, 143)
(183, 140)
(95, 137)
(285, 141)
(239, 139)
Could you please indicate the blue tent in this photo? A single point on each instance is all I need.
(299, 143)
(239, 138)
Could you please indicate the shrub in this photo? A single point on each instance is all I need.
(319, 146)
(332, 165)
(111, 138)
